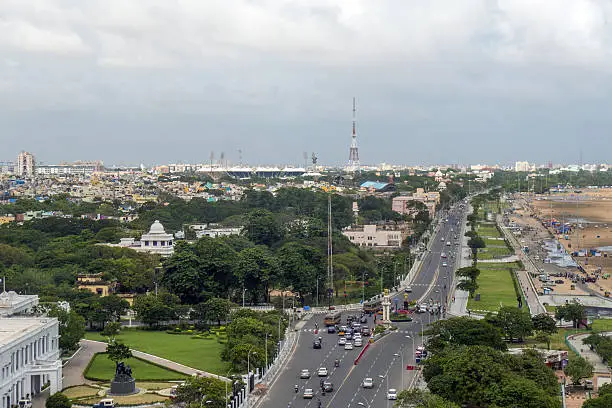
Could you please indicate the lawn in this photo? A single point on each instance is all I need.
(493, 252)
(203, 354)
(138, 399)
(80, 391)
(494, 242)
(102, 369)
(602, 325)
(488, 231)
(495, 287)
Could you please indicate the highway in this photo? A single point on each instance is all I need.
(383, 360)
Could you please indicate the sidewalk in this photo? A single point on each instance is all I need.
(585, 352)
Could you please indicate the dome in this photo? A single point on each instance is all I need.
(157, 228)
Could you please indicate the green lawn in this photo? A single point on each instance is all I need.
(102, 369)
(495, 286)
(203, 354)
(487, 231)
(493, 252)
(602, 325)
(494, 242)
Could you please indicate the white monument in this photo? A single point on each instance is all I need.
(386, 305)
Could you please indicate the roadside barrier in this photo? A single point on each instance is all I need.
(362, 352)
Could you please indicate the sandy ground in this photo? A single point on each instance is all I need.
(590, 213)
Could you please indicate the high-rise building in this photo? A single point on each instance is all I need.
(25, 164)
(522, 166)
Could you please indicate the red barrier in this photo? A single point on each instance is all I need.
(362, 353)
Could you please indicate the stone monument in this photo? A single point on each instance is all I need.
(123, 383)
(386, 303)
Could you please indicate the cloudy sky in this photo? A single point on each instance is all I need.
(436, 81)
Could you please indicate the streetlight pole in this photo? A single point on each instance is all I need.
(266, 345)
(249, 360)
(363, 286)
(317, 303)
(243, 292)
(386, 392)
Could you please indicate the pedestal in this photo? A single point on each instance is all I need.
(123, 386)
(386, 305)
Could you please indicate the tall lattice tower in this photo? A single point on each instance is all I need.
(353, 164)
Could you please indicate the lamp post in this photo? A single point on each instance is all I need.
(243, 292)
(227, 376)
(363, 275)
(387, 377)
(266, 345)
(249, 360)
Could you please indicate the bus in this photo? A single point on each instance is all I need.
(372, 307)
(332, 319)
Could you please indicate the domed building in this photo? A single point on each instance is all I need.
(157, 240)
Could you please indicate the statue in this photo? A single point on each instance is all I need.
(123, 383)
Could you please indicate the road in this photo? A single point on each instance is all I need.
(383, 360)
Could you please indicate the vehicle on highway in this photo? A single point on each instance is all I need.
(372, 307)
(331, 329)
(448, 243)
(443, 255)
(367, 383)
(365, 331)
(308, 393)
(322, 372)
(304, 374)
(358, 342)
(348, 346)
(316, 344)
(408, 289)
(392, 394)
(332, 318)
(336, 363)
(341, 341)
(444, 264)
(328, 387)
(349, 336)
(442, 239)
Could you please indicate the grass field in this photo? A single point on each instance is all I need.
(493, 252)
(81, 391)
(495, 287)
(101, 368)
(487, 231)
(139, 399)
(197, 353)
(494, 242)
(602, 325)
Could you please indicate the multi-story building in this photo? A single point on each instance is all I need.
(522, 166)
(25, 164)
(401, 204)
(156, 241)
(29, 350)
(377, 236)
(70, 169)
(7, 167)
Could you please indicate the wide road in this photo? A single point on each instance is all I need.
(383, 360)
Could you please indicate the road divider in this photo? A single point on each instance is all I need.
(362, 352)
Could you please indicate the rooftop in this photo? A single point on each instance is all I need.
(13, 329)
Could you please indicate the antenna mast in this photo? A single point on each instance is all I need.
(353, 164)
(330, 261)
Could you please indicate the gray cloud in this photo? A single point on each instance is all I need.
(436, 81)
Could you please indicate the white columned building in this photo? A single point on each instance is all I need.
(29, 351)
(157, 241)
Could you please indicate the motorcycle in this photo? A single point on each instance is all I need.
(337, 363)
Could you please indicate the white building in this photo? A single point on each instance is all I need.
(156, 241)
(25, 164)
(522, 166)
(29, 351)
(74, 169)
(376, 237)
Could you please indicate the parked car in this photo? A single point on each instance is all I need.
(104, 403)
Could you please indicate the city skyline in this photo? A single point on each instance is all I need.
(157, 82)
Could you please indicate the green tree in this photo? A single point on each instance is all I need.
(113, 307)
(573, 312)
(214, 310)
(470, 272)
(262, 228)
(71, 328)
(604, 401)
(544, 323)
(513, 322)
(469, 286)
(111, 329)
(464, 331)
(578, 368)
(256, 268)
(202, 391)
(153, 310)
(58, 400)
(417, 398)
(543, 337)
(117, 351)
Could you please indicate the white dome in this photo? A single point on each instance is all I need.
(157, 228)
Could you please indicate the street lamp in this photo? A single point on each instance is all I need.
(387, 377)
(249, 360)
(202, 401)
(243, 292)
(363, 275)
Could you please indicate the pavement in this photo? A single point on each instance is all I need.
(385, 361)
(585, 352)
(75, 367)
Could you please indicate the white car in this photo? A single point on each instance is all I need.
(358, 342)
(444, 264)
(308, 393)
(322, 372)
(348, 346)
(341, 341)
(392, 394)
(368, 383)
(304, 374)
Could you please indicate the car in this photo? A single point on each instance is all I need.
(316, 344)
(24, 403)
(358, 342)
(105, 403)
(304, 374)
(367, 383)
(348, 346)
(328, 387)
(349, 336)
(365, 331)
(408, 289)
(560, 281)
(444, 264)
(308, 393)
(392, 394)
(363, 319)
(322, 372)
(341, 341)
(443, 255)
(331, 329)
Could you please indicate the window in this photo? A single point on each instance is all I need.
(154, 243)
(146, 243)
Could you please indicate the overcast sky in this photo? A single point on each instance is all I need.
(436, 81)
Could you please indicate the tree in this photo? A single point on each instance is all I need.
(544, 323)
(514, 323)
(470, 272)
(152, 310)
(417, 398)
(578, 368)
(573, 312)
(255, 269)
(468, 285)
(604, 401)
(198, 389)
(262, 228)
(58, 400)
(214, 309)
(111, 329)
(464, 331)
(117, 351)
(113, 307)
(476, 242)
(543, 337)
(71, 327)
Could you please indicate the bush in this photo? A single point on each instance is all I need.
(58, 400)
